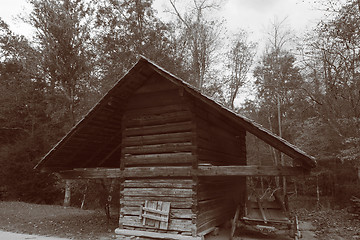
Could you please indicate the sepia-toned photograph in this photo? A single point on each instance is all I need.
(180, 119)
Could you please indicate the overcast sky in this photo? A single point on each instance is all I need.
(252, 15)
(255, 15)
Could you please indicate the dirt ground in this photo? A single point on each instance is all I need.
(49, 220)
(73, 223)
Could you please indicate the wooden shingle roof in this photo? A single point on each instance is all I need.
(96, 140)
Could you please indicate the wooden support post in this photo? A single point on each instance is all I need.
(67, 197)
(121, 204)
(84, 194)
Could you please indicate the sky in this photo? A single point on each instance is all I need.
(251, 15)
(255, 15)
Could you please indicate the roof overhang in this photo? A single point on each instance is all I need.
(136, 76)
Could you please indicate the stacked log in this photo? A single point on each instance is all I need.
(178, 192)
(157, 132)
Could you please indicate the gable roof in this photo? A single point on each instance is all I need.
(96, 139)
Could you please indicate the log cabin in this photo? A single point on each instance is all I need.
(180, 156)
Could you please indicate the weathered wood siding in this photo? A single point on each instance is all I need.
(165, 126)
(158, 131)
(219, 143)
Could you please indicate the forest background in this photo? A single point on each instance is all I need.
(304, 88)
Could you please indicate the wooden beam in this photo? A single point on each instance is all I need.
(250, 171)
(156, 235)
(90, 173)
(141, 172)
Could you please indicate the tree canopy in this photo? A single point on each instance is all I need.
(306, 91)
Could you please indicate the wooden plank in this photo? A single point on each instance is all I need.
(157, 159)
(159, 129)
(181, 203)
(144, 172)
(156, 198)
(91, 173)
(156, 235)
(160, 192)
(159, 148)
(152, 210)
(174, 224)
(160, 183)
(148, 221)
(165, 207)
(149, 216)
(184, 213)
(183, 171)
(149, 120)
(249, 171)
(157, 139)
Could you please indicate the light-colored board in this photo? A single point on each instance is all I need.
(184, 213)
(160, 183)
(136, 202)
(158, 192)
(174, 224)
(157, 198)
(156, 235)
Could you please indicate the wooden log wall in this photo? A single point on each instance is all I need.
(179, 192)
(217, 198)
(220, 143)
(157, 131)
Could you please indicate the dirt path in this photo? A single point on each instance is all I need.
(22, 236)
